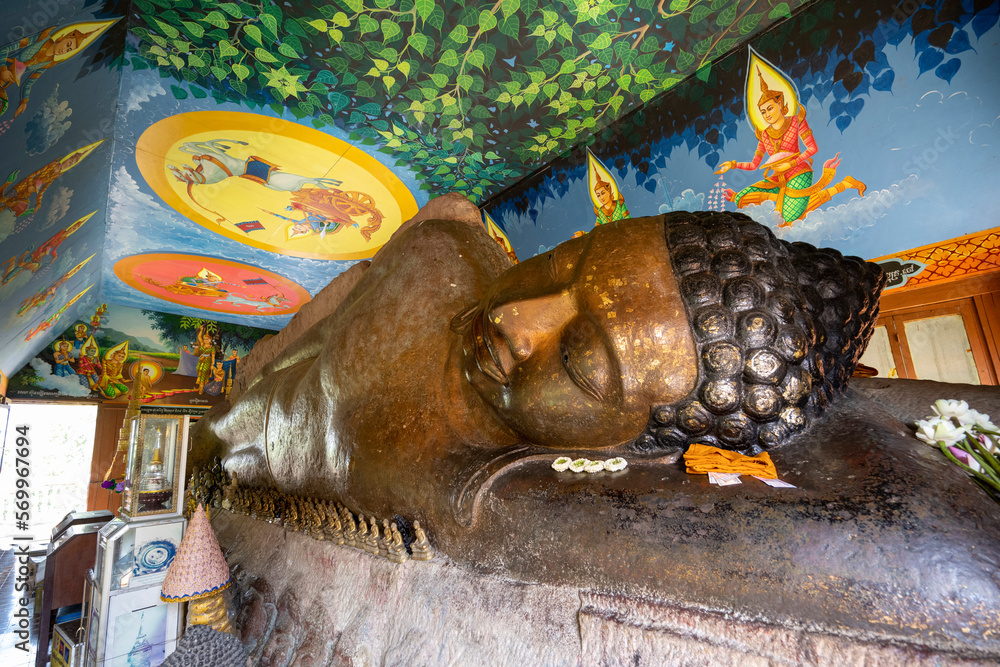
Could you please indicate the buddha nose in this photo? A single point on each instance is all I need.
(530, 323)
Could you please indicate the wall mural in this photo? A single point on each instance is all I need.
(211, 284)
(59, 77)
(469, 96)
(167, 359)
(278, 186)
(868, 128)
(291, 139)
(294, 138)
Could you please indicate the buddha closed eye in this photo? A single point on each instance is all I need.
(572, 348)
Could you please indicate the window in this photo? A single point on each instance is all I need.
(61, 442)
(943, 342)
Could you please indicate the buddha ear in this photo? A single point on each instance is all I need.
(462, 320)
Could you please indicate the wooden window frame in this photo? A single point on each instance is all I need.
(895, 322)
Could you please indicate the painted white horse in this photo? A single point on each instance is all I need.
(267, 303)
(213, 163)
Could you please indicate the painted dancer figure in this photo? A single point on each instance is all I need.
(24, 61)
(788, 173)
(205, 349)
(609, 202)
(17, 197)
(31, 260)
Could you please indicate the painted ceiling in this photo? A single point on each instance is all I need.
(228, 159)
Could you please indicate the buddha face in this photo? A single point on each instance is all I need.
(572, 347)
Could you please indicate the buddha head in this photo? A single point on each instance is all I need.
(653, 333)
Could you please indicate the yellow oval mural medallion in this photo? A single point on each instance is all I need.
(273, 184)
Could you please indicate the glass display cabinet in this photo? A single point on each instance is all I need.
(154, 481)
(127, 621)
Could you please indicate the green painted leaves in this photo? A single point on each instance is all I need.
(458, 89)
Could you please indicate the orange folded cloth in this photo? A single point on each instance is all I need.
(702, 459)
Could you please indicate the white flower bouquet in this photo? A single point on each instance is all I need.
(968, 438)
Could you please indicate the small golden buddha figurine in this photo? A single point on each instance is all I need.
(397, 550)
(386, 541)
(350, 530)
(269, 507)
(372, 543)
(420, 548)
(229, 492)
(361, 540)
(334, 528)
(316, 520)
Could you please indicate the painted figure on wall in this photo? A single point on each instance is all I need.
(779, 122)
(79, 338)
(493, 229)
(63, 358)
(205, 350)
(18, 197)
(88, 366)
(214, 163)
(328, 210)
(215, 385)
(31, 260)
(204, 283)
(609, 203)
(112, 381)
(261, 303)
(43, 296)
(144, 383)
(48, 322)
(24, 61)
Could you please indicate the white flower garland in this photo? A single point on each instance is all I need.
(564, 463)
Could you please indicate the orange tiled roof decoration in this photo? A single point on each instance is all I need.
(199, 568)
(952, 259)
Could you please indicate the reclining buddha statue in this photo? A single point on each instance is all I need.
(635, 339)
(447, 380)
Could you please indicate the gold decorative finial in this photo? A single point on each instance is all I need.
(768, 94)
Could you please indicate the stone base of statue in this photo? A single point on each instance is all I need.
(885, 553)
